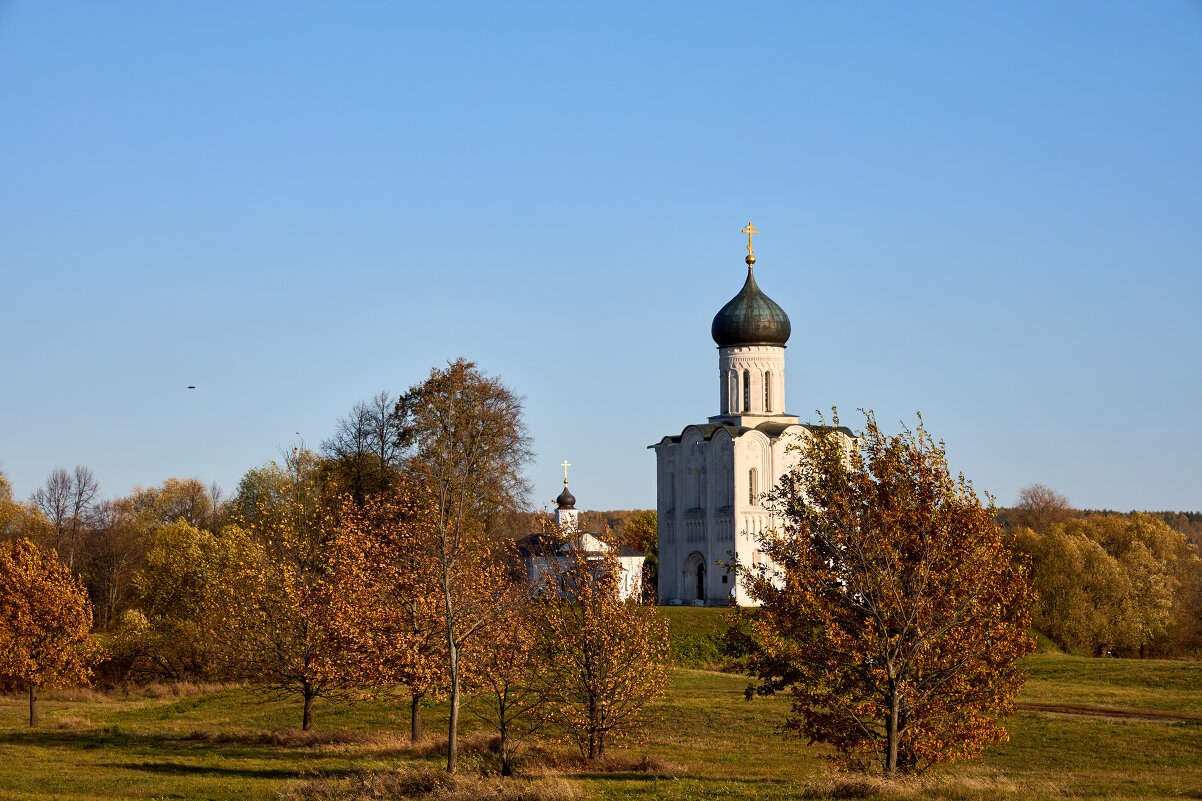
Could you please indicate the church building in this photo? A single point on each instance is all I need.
(712, 477)
(547, 553)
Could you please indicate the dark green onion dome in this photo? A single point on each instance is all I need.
(751, 318)
(566, 500)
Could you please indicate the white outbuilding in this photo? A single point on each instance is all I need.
(545, 552)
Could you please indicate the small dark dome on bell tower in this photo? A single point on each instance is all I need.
(565, 500)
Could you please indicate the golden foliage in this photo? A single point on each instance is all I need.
(891, 608)
(1112, 583)
(45, 617)
(384, 615)
(273, 615)
(605, 659)
(464, 444)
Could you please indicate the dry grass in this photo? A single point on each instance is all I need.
(432, 782)
(911, 788)
(542, 759)
(860, 785)
(1001, 784)
(154, 689)
(69, 722)
(174, 689)
(85, 694)
(296, 738)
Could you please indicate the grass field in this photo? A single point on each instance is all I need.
(704, 741)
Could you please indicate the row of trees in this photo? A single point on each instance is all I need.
(381, 568)
(1109, 584)
(105, 542)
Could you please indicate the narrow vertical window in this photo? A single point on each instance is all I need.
(746, 390)
(752, 489)
(732, 393)
(767, 392)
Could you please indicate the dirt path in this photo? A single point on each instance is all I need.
(1114, 712)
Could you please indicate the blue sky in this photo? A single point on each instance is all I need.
(987, 212)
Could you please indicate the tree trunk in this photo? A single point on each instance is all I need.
(307, 722)
(453, 665)
(593, 750)
(506, 757)
(453, 722)
(891, 758)
(415, 718)
(33, 704)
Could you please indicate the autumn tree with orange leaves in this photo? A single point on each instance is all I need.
(463, 445)
(510, 669)
(272, 616)
(891, 608)
(605, 659)
(385, 615)
(45, 617)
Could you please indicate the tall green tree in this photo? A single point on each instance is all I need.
(891, 610)
(174, 631)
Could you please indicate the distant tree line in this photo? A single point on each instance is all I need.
(1111, 584)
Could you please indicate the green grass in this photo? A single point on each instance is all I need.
(713, 742)
(696, 634)
(1141, 683)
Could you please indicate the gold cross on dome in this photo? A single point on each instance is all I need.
(749, 230)
(565, 467)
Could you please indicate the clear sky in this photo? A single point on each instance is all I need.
(989, 212)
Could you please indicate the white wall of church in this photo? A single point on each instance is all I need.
(710, 506)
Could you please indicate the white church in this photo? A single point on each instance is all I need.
(544, 553)
(712, 477)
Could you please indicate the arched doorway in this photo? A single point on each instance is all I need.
(693, 581)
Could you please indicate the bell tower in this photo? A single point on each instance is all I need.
(751, 331)
(567, 519)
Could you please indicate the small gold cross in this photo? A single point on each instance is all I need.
(749, 230)
(565, 467)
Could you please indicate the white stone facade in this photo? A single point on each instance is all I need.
(543, 570)
(712, 479)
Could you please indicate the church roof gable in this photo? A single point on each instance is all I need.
(547, 545)
(771, 430)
